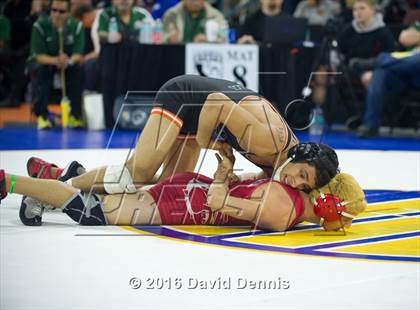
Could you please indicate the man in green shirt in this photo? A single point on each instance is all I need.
(186, 21)
(46, 59)
(127, 20)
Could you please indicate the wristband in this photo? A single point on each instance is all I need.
(12, 184)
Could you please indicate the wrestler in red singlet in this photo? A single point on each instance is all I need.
(182, 200)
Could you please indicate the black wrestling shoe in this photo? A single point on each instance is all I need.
(31, 211)
(72, 170)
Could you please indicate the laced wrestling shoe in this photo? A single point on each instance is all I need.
(31, 211)
(3, 192)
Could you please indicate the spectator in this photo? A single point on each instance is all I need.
(253, 28)
(128, 19)
(317, 12)
(367, 35)
(393, 74)
(186, 21)
(46, 59)
(87, 15)
(360, 42)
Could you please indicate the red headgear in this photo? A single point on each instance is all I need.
(330, 207)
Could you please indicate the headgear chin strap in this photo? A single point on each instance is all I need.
(331, 208)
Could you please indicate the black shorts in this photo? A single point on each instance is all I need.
(181, 99)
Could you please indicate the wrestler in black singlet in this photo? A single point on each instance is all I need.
(185, 95)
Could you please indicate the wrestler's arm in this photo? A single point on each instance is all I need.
(219, 108)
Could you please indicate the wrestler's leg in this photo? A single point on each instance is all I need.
(131, 209)
(153, 145)
(182, 157)
(52, 192)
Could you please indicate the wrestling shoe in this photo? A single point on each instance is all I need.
(73, 169)
(31, 211)
(3, 192)
(43, 123)
(38, 168)
(75, 122)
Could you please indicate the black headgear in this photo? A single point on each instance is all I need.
(320, 156)
(308, 151)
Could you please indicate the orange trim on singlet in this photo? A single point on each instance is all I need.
(168, 115)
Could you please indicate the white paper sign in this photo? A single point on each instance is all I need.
(234, 62)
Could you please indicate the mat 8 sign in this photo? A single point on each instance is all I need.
(238, 63)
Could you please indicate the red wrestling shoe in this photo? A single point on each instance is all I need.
(3, 192)
(41, 169)
(38, 168)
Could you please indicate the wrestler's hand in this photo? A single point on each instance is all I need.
(219, 189)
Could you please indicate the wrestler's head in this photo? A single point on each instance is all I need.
(310, 165)
(338, 202)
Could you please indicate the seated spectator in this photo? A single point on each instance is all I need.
(367, 35)
(253, 28)
(359, 42)
(317, 12)
(128, 18)
(186, 21)
(86, 14)
(46, 60)
(393, 74)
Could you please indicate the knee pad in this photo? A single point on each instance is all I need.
(85, 209)
(117, 180)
